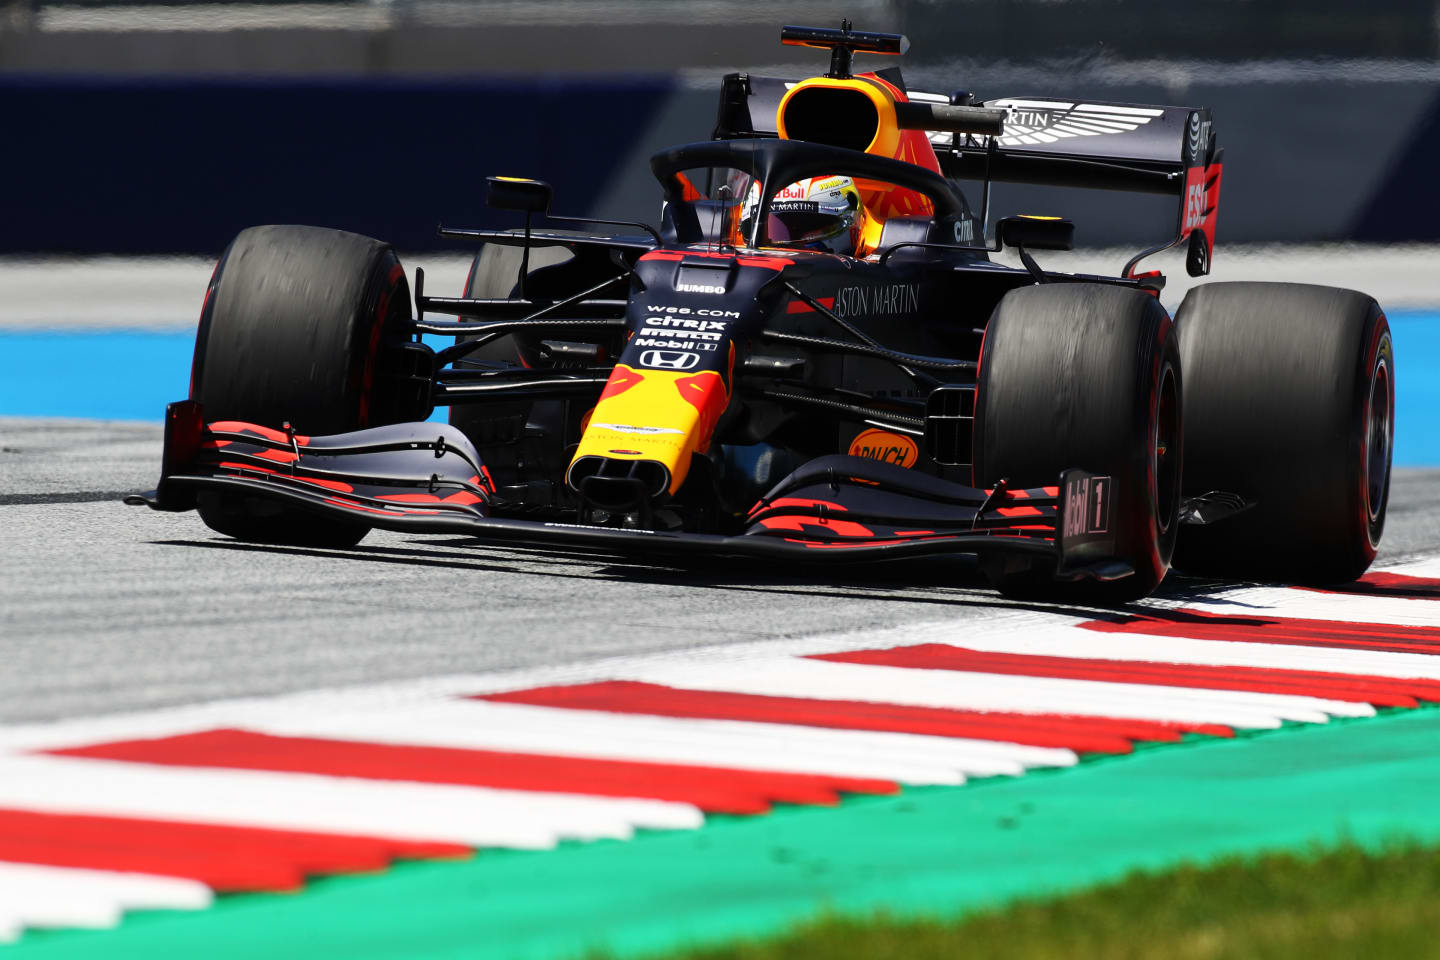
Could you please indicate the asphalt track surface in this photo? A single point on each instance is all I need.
(105, 607)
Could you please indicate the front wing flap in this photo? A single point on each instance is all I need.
(428, 478)
(407, 469)
(847, 502)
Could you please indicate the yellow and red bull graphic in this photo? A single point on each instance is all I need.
(663, 416)
(664, 398)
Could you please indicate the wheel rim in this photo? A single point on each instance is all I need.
(1377, 438)
(1165, 451)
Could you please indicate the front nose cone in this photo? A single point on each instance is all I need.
(647, 427)
(609, 483)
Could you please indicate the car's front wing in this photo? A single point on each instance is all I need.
(428, 478)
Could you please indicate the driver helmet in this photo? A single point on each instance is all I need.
(817, 213)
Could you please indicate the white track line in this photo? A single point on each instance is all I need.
(480, 725)
(1050, 639)
(1007, 631)
(31, 909)
(44, 896)
(975, 691)
(495, 726)
(473, 816)
(1314, 605)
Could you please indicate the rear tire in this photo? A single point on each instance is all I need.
(1289, 402)
(1084, 376)
(294, 328)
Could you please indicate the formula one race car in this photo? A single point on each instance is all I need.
(812, 358)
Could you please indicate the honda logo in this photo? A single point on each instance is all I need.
(669, 359)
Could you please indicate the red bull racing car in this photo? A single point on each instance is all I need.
(812, 358)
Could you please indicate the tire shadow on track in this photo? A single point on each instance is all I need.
(951, 582)
(959, 585)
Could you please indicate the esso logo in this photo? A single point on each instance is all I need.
(669, 359)
(1194, 206)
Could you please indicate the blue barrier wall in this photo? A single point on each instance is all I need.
(179, 165)
(92, 374)
(1405, 204)
(129, 165)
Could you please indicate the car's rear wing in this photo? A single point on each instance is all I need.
(1096, 144)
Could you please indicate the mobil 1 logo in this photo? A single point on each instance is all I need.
(1085, 504)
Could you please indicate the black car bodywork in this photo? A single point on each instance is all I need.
(817, 406)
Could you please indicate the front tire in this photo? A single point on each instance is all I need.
(1289, 402)
(1085, 376)
(294, 329)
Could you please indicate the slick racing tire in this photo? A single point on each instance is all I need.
(1077, 375)
(1289, 403)
(295, 328)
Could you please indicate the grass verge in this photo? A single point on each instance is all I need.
(1342, 903)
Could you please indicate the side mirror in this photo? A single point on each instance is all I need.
(1036, 233)
(519, 193)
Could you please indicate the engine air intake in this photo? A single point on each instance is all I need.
(841, 118)
(852, 113)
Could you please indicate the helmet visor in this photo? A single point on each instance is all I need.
(804, 221)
